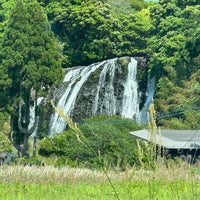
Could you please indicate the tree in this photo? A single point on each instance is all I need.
(134, 31)
(86, 29)
(179, 107)
(30, 64)
(174, 58)
(175, 38)
(5, 9)
(91, 31)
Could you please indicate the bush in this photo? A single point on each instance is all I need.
(29, 161)
(106, 141)
(5, 144)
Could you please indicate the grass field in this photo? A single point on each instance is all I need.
(176, 181)
(138, 190)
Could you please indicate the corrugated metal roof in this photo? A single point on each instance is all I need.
(172, 139)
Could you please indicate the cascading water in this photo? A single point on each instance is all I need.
(57, 123)
(149, 99)
(114, 92)
(130, 106)
(67, 101)
(108, 105)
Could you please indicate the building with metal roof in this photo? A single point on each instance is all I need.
(175, 142)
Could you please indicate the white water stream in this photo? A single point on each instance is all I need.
(105, 100)
(130, 106)
(76, 79)
(108, 105)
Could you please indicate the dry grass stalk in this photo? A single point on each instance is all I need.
(153, 130)
(83, 140)
(33, 174)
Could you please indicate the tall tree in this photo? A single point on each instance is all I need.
(92, 31)
(175, 38)
(5, 9)
(175, 48)
(29, 65)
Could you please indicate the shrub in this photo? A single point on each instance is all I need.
(29, 161)
(105, 141)
(5, 144)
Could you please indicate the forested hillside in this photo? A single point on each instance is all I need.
(68, 33)
(174, 59)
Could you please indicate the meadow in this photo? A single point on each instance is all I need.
(157, 178)
(177, 180)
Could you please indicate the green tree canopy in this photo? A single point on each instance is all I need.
(29, 62)
(91, 31)
(174, 58)
(175, 39)
(5, 8)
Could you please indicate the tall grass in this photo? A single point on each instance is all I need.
(173, 170)
(84, 141)
(178, 180)
(139, 190)
(150, 152)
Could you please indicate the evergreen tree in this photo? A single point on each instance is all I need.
(5, 9)
(29, 65)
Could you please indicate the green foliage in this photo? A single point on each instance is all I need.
(168, 95)
(30, 61)
(87, 32)
(6, 7)
(105, 137)
(194, 90)
(29, 58)
(135, 33)
(3, 119)
(127, 6)
(5, 144)
(174, 59)
(28, 161)
(174, 42)
(92, 32)
(191, 102)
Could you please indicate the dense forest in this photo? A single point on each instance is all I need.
(39, 38)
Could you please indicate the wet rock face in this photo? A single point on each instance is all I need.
(142, 78)
(109, 87)
(84, 106)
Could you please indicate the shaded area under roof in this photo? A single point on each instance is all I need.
(172, 139)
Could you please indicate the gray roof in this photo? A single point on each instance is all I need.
(173, 139)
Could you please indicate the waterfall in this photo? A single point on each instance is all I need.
(76, 79)
(57, 123)
(108, 105)
(149, 99)
(112, 87)
(130, 105)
